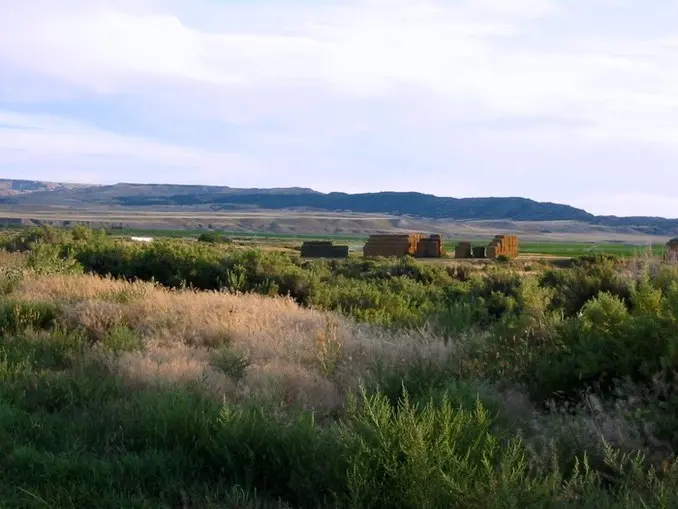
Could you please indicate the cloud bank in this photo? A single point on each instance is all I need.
(572, 101)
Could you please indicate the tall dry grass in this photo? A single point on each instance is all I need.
(291, 355)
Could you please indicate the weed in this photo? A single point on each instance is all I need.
(328, 347)
(121, 339)
(233, 363)
(17, 316)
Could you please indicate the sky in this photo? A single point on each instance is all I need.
(570, 101)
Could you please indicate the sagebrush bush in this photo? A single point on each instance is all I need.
(17, 316)
(10, 278)
(606, 344)
(574, 287)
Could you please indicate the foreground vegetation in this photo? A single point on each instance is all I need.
(184, 374)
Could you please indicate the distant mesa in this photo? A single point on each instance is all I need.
(405, 206)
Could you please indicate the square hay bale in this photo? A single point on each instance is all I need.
(479, 251)
(463, 250)
(506, 245)
(323, 249)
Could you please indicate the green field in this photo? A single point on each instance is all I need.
(547, 248)
(579, 248)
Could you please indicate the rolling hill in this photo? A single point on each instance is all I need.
(32, 195)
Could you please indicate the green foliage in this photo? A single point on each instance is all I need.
(559, 333)
(17, 316)
(11, 277)
(574, 287)
(50, 259)
(232, 362)
(424, 437)
(25, 240)
(608, 343)
(213, 238)
(121, 339)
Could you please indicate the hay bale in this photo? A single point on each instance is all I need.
(323, 249)
(430, 247)
(479, 252)
(463, 250)
(392, 245)
(503, 245)
(413, 244)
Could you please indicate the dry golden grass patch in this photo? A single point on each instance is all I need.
(9, 259)
(168, 365)
(60, 288)
(291, 355)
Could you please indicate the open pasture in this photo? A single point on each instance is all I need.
(528, 249)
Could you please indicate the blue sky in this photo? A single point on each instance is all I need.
(573, 101)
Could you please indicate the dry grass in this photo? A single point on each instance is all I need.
(11, 259)
(294, 356)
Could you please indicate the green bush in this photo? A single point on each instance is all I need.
(213, 238)
(47, 259)
(606, 344)
(121, 339)
(11, 277)
(25, 240)
(574, 287)
(233, 363)
(17, 316)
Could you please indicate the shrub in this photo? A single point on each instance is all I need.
(19, 316)
(606, 344)
(10, 278)
(213, 238)
(52, 259)
(25, 240)
(574, 287)
(121, 339)
(233, 363)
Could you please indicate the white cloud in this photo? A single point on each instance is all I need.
(29, 142)
(631, 203)
(413, 83)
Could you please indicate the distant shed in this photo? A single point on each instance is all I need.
(142, 239)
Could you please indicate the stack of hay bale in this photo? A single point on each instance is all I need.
(323, 249)
(430, 247)
(479, 251)
(503, 245)
(391, 245)
(671, 249)
(463, 250)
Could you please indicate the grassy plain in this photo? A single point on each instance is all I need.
(300, 224)
(544, 247)
(187, 375)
